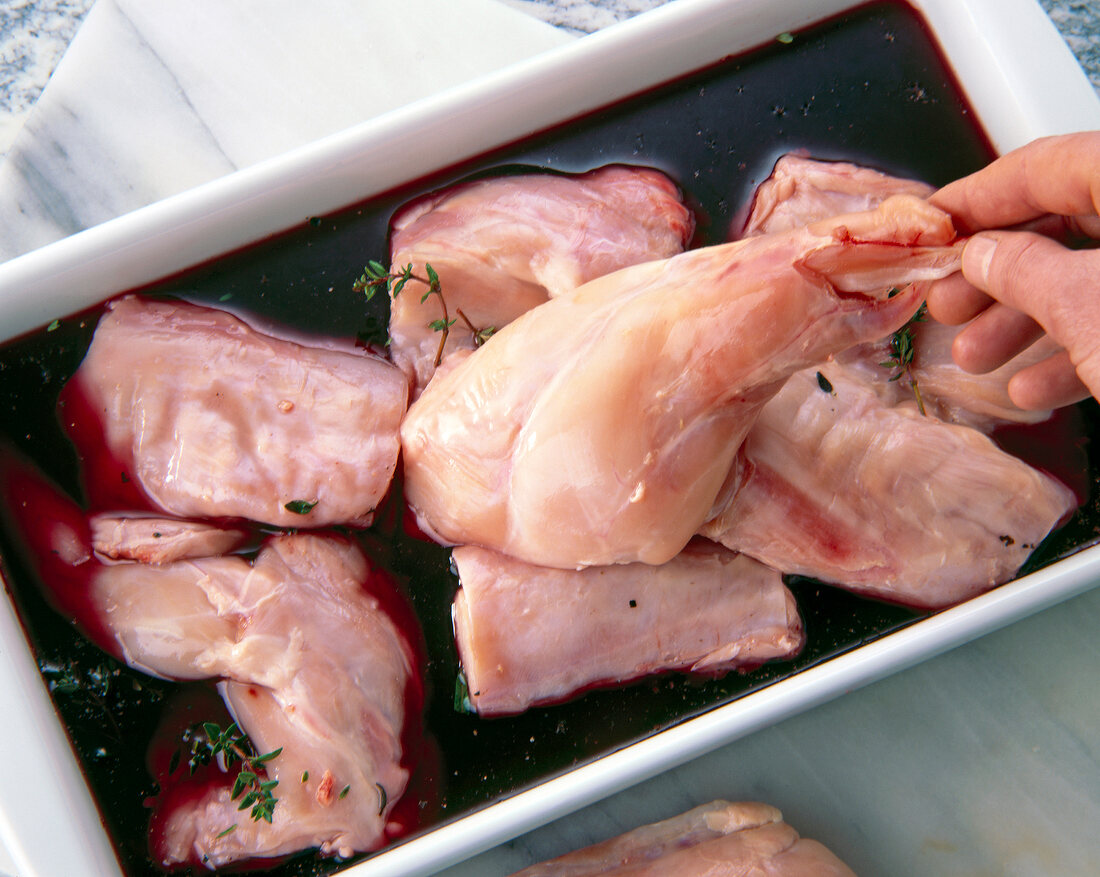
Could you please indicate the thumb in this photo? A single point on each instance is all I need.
(1059, 288)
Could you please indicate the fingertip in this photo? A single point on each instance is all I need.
(993, 338)
(1051, 383)
(967, 353)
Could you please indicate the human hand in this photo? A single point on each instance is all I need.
(1017, 284)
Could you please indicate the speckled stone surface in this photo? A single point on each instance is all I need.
(1004, 731)
(583, 16)
(1079, 24)
(33, 37)
(35, 33)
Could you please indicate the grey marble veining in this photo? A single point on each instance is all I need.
(137, 114)
(583, 16)
(983, 761)
(154, 98)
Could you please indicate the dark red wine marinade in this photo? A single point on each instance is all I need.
(869, 87)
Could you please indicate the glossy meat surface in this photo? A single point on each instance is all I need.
(212, 418)
(317, 652)
(802, 190)
(503, 245)
(719, 839)
(841, 487)
(528, 635)
(977, 400)
(599, 428)
(315, 665)
(149, 539)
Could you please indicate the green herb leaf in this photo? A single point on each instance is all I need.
(902, 351)
(300, 506)
(462, 703)
(375, 274)
(233, 746)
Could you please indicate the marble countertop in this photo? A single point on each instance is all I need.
(983, 761)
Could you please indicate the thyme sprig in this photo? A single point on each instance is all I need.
(230, 746)
(376, 276)
(902, 351)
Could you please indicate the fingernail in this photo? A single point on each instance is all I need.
(976, 259)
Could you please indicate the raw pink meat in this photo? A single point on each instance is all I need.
(503, 245)
(802, 190)
(835, 485)
(150, 539)
(318, 655)
(600, 427)
(210, 418)
(712, 840)
(528, 635)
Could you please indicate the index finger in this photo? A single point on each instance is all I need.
(1053, 175)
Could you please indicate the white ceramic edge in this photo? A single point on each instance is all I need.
(41, 787)
(323, 177)
(982, 39)
(1015, 68)
(479, 831)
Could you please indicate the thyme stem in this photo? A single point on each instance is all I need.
(902, 352)
(251, 785)
(376, 275)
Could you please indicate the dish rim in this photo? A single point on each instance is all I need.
(1021, 81)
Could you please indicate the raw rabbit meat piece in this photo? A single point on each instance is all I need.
(980, 401)
(322, 663)
(600, 427)
(150, 539)
(503, 245)
(977, 400)
(713, 839)
(835, 485)
(189, 410)
(317, 652)
(802, 190)
(528, 635)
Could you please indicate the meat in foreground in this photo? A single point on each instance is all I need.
(719, 838)
(528, 635)
(210, 418)
(600, 427)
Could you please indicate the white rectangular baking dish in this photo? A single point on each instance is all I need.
(1020, 79)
